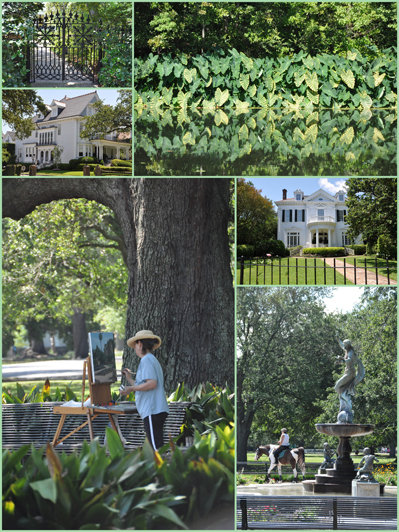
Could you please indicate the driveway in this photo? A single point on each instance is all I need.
(52, 369)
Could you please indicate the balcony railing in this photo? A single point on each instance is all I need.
(315, 219)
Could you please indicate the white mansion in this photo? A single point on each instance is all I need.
(317, 220)
(62, 127)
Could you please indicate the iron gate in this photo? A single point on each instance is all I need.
(65, 47)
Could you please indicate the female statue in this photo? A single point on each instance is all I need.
(345, 386)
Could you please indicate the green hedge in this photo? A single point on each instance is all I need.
(324, 252)
(246, 251)
(121, 162)
(359, 249)
(385, 247)
(236, 80)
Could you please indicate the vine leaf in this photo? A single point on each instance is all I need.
(347, 136)
(378, 78)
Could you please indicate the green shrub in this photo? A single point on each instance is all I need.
(91, 490)
(121, 162)
(246, 251)
(385, 247)
(359, 249)
(370, 250)
(116, 64)
(324, 252)
(10, 169)
(37, 394)
(203, 474)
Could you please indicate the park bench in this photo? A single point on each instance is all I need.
(35, 423)
(327, 512)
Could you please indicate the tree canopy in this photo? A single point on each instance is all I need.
(110, 118)
(256, 217)
(372, 208)
(64, 258)
(264, 28)
(18, 108)
(287, 347)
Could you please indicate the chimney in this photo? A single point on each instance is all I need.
(284, 193)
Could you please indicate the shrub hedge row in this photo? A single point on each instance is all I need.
(324, 252)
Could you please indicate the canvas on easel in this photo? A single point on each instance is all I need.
(101, 366)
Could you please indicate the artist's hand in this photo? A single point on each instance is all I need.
(128, 374)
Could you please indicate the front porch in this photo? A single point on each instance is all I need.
(107, 150)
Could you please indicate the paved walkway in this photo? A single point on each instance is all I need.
(360, 273)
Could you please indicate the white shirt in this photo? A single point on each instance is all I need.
(286, 439)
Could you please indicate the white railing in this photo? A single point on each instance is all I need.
(314, 219)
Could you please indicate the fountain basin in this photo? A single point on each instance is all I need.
(344, 430)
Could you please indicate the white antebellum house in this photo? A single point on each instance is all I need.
(62, 126)
(317, 220)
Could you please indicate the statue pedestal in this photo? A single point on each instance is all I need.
(365, 489)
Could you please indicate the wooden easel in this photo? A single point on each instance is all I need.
(100, 395)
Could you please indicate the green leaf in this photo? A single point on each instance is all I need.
(46, 488)
(244, 81)
(114, 444)
(221, 118)
(221, 97)
(312, 81)
(348, 78)
(167, 513)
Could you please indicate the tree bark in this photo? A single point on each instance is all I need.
(178, 258)
(35, 336)
(79, 333)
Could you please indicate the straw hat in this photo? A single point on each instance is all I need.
(144, 335)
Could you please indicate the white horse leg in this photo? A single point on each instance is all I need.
(272, 466)
(279, 472)
(295, 472)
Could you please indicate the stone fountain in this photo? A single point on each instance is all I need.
(338, 479)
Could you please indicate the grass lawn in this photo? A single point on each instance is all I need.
(385, 473)
(301, 271)
(371, 261)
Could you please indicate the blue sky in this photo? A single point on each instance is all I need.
(272, 187)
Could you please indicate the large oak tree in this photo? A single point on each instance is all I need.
(180, 283)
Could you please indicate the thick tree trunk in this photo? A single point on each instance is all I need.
(35, 336)
(180, 283)
(79, 333)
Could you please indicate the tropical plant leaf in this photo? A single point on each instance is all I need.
(188, 138)
(348, 78)
(378, 78)
(243, 132)
(312, 81)
(244, 81)
(252, 90)
(377, 135)
(221, 97)
(221, 118)
(347, 136)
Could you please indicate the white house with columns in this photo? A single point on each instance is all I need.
(62, 127)
(317, 220)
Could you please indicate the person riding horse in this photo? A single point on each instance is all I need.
(283, 444)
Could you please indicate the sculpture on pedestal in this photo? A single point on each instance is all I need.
(365, 473)
(345, 386)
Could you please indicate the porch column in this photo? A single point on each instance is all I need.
(118, 152)
(100, 151)
(329, 237)
(317, 237)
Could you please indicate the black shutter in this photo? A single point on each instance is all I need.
(296, 215)
(283, 216)
(290, 215)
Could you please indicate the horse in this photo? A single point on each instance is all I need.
(290, 457)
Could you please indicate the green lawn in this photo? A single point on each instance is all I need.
(301, 271)
(59, 172)
(371, 261)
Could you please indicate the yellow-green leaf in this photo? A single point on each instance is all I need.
(298, 79)
(313, 97)
(351, 55)
(221, 97)
(311, 133)
(252, 90)
(312, 81)
(209, 83)
(348, 78)
(244, 81)
(252, 123)
(188, 75)
(350, 156)
(221, 117)
(188, 138)
(243, 132)
(378, 78)
(347, 136)
(377, 135)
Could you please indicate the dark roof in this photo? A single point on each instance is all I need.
(74, 106)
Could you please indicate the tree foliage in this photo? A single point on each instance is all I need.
(256, 217)
(18, 108)
(372, 329)
(64, 257)
(284, 363)
(108, 118)
(372, 209)
(264, 28)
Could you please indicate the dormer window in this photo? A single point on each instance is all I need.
(298, 195)
(54, 112)
(340, 197)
